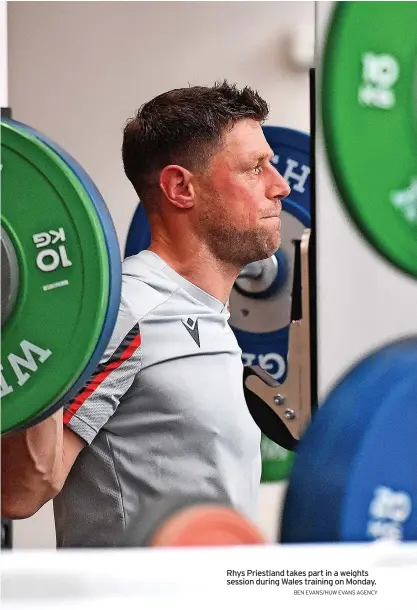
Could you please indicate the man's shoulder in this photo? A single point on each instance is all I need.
(145, 286)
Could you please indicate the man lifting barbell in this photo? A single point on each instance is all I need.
(165, 414)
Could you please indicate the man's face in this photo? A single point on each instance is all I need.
(240, 197)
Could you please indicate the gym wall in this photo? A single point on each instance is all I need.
(78, 70)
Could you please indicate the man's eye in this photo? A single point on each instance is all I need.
(257, 169)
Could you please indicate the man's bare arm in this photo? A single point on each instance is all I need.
(35, 464)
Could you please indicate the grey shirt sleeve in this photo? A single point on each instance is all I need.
(97, 401)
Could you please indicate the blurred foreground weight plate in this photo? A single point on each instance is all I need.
(354, 474)
(68, 279)
(369, 114)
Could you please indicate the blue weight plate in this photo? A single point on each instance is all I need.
(292, 160)
(292, 150)
(268, 350)
(139, 235)
(353, 478)
(113, 252)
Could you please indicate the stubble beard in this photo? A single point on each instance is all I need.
(238, 247)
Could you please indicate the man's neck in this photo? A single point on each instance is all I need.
(199, 267)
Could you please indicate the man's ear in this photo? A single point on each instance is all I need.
(176, 184)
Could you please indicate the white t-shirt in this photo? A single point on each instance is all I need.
(164, 414)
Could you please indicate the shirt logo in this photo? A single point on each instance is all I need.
(192, 327)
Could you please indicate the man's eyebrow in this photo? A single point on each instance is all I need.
(263, 157)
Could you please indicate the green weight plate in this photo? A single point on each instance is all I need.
(63, 288)
(369, 101)
(277, 462)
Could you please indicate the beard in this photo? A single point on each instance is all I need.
(233, 245)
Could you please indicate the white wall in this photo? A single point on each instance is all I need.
(4, 83)
(78, 70)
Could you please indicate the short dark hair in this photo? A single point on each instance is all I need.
(183, 127)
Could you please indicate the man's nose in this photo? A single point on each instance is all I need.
(279, 187)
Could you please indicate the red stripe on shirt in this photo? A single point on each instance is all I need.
(99, 378)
